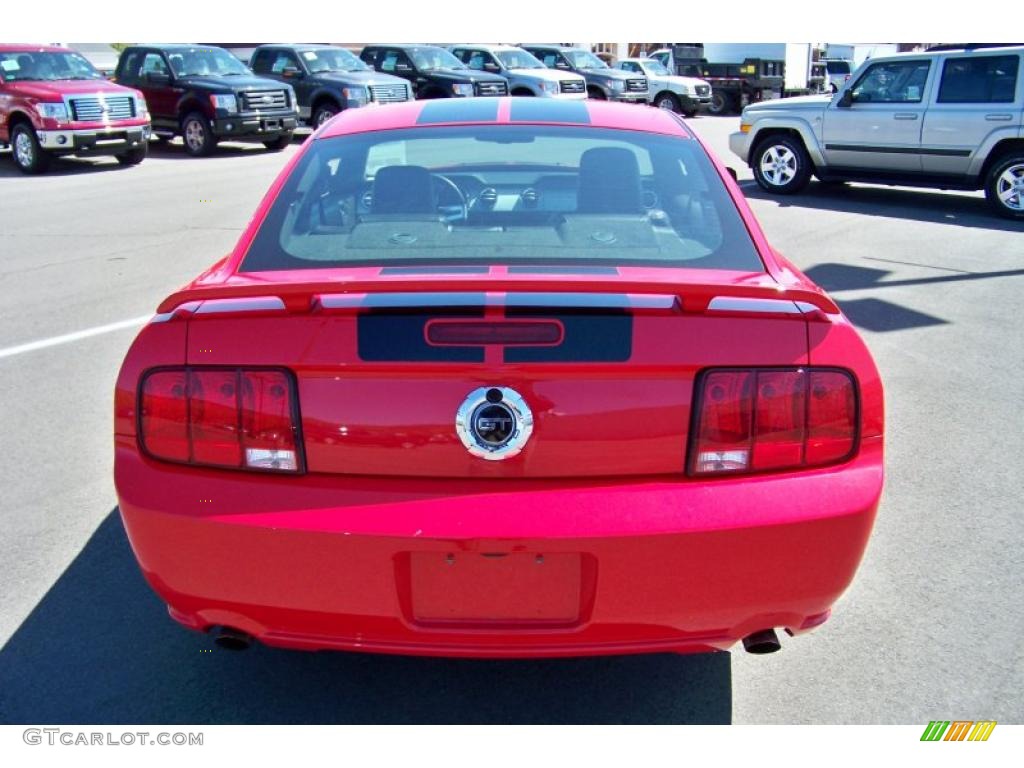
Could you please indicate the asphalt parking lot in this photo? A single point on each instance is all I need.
(932, 627)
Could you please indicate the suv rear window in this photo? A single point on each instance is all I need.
(838, 67)
(500, 194)
(979, 80)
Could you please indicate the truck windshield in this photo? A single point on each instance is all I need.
(427, 59)
(542, 195)
(656, 67)
(585, 60)
(333, 60)
(205, 62)
(519, 60)
(46, 65)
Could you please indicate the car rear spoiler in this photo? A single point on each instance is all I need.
(634, 295)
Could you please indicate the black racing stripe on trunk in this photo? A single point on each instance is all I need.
(591, 336)
(458, 110)
(440, 270)
(399, 336)
(549, 111)
(570, 270)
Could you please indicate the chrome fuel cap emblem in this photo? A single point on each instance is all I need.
(494, 423)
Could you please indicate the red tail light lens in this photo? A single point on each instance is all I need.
(237, 418)
(752, 420)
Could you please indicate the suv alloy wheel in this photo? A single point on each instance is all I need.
(1004, 187)
(781, 165)
(199, 138)
(28, 155)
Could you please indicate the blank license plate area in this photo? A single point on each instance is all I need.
(514, 588)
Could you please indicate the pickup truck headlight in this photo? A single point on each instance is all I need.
(52, 110)
(225, 101)
(356, 97)
(551, 88)
(462, 89)
(617, 85)
(141, 108)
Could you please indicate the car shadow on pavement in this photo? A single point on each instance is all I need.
(963, 209)
(100, 648)
(176, 151)
(62, 166)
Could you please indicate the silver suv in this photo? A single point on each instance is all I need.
(945, 118)
(526, 74)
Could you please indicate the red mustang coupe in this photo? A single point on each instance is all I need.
(500, 378)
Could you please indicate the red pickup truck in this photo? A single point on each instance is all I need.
(54, 102)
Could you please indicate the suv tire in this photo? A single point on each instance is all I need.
(781, 165)
(282, 141)
(197, 134)
(324, 111)
(1004, 186)
(28, 155)
(134, 156)
(669, 101)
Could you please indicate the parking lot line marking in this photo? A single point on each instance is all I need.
(67, 338)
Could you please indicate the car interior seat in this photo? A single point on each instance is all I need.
(609, 182)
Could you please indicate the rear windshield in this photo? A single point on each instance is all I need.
(499, 194)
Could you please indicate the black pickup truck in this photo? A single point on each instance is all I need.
(204, 94)
(433, 72)
(327, 79)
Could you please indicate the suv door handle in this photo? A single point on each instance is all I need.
(905, 116)
(1000, 116)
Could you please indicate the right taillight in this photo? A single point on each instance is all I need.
(765, 419)
(237, 418)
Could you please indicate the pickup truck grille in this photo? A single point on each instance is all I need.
(102, 108)
(636, 86)
(258, 101)
(703, 90)
(572, 86)
(386, 94)
(491, 89)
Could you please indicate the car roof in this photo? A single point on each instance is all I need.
(301, 46)
(499, 111)
(30, 48)
(553, 46)
(175, 46)
(487, 47)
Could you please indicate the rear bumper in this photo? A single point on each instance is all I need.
(494, 569)
(111, 140)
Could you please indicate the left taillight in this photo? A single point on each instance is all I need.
(767, 419)
(238, 418)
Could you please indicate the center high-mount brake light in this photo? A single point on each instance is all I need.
(763, 419)
(221, 417)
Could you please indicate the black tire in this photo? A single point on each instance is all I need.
(669, 101)
(28, 155)
(596, 93)
(323, 112)
(197, 135)
(781, 165)
(134, 156)
(1004, 186)
(282, 141)
(690, 114)
(720, 103)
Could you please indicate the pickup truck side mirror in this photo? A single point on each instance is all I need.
(293, 72)
(490, 66)
(846, 100)
(158, 78)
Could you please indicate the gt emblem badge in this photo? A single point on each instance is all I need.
(494, 423)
